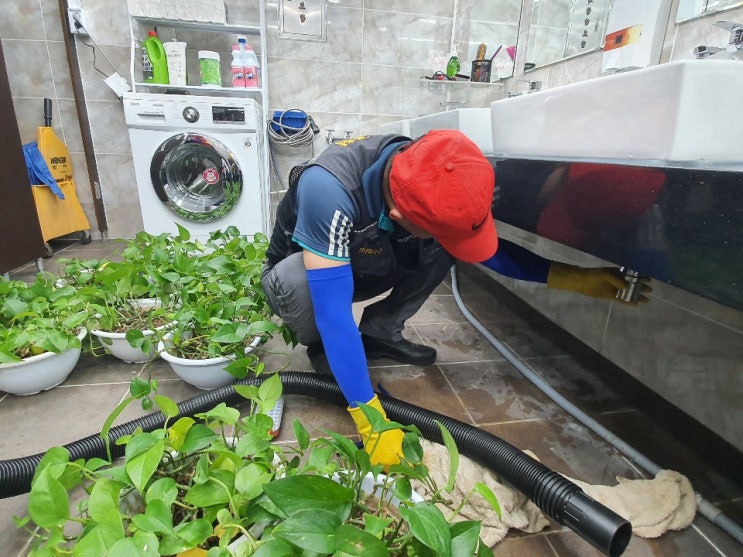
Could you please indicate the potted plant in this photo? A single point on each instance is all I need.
(223, 314)
(131, 301)
(220, 487)
(41, 330)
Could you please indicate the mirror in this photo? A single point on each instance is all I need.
(565, 28)
(689, 9)
(493, 24)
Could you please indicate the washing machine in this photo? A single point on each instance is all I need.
(199, 162)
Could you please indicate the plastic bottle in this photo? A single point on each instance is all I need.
(252, 66)
(238, 66)
(158, 59)
(453, 66)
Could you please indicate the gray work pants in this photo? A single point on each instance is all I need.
(288, 295)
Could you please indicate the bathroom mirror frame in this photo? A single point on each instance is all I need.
(580, 30)
(687, 9)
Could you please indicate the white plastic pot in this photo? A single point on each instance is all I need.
(39, 373)
(203, 374)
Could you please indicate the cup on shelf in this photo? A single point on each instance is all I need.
(480, 71)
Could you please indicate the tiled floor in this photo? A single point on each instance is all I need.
(471, 382)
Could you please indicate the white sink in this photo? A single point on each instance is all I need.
(400, 127)
(686, 114)
(473, 122)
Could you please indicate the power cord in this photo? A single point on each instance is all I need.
(79, 26)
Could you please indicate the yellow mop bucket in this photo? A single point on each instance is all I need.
(58, 217)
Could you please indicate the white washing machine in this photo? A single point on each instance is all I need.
(199, 162)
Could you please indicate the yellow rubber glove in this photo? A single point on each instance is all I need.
(384, 448)
(596, 282)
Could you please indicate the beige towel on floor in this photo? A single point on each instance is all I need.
(652, 506)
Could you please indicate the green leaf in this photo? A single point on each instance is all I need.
(465, 536)
(97, 541)
(103, 505)
(167, 406)
(271, 389)
(275, 548)
(142, 544)
(48, 504)
(301, 434)
(403, 489)
(143, 454)
(157, 518)
(429, 525)
(311, 530)
(222, 414)
(351, 541)
(298, 493)
(489, 496)
(198, 437)
(251, 478)
(453, 452)
(164, 489)
(209, 493)
(376, 525)
(195, 531)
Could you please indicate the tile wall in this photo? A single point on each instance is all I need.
(366, 74)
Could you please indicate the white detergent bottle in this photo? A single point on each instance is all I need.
(252, 66)
(238, 67)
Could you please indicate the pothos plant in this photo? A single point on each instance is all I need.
(223, 307)
(38, 317)
(217, 485)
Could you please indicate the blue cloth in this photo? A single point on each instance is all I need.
(38, 171)
(511, 260)
(331, 290)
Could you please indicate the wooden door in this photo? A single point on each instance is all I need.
(20, 233)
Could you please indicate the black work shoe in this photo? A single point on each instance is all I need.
(402, 351)
(318, 359)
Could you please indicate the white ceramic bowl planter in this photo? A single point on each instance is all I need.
(202, 374)
(118, 346)
(39, 373)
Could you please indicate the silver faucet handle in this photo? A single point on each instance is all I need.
(533, 84)
(736, 31)
(704, 51)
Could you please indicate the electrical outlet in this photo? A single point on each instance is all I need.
(303, 19)
(75, 15)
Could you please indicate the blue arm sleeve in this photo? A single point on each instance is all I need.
(511, 260)
(331, 290)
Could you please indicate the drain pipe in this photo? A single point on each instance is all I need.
(561, 499)
(706, 509)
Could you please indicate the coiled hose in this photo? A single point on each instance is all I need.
(561, 499)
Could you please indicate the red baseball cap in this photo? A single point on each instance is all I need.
(443, 184)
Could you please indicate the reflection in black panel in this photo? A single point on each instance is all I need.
(680, 226)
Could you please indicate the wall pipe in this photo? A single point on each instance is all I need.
(706, 509)
(561, 499)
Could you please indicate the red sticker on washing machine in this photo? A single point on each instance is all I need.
(211, 175)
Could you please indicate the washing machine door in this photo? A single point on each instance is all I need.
(196, 177)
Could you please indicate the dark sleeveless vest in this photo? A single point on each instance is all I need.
(373, 251)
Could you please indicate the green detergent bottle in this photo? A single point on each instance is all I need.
(154, 50)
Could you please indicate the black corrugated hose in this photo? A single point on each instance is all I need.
(561, 499)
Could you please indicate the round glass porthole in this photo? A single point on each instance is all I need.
(196, 177)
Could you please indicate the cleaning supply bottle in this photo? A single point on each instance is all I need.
(252, 66)
(238, 66)
(158, 59)
(452, 68)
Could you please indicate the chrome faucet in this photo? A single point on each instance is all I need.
(534, 86)
(702, 51)
(736, 39)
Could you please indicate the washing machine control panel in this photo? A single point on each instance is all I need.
(191, 114)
